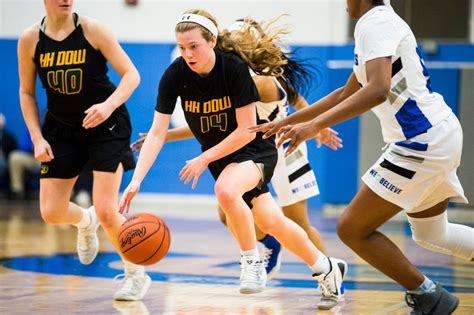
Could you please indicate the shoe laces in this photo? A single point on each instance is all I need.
(85, 241)
(325, 287)
(86, 235)
(128, 280)
(250, 272)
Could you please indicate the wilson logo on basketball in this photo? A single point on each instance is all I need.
(132, 233)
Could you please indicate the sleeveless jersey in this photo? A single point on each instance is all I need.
(276, 109)
(73, 73)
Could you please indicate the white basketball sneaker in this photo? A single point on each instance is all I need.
(135, 283)
(331, 283)
(253, 276)
(87, 240)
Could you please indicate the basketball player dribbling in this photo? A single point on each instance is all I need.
(293, 180)
(86, 122)
(218, 97)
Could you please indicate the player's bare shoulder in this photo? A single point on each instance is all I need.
(28, 39)
(95, 31)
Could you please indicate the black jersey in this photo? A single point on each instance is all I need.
(73, 73)
(209, 103)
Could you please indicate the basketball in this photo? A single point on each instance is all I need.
(144, 239)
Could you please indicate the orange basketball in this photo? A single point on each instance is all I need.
(144, 239)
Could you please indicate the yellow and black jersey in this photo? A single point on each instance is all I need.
(209, 103)
(73, 73)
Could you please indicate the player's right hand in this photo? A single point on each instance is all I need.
(269, 128)
(137, 145)
(127, 196)
(43, 151)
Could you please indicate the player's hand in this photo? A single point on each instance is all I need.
(127, 196)
(296, 134)
(193, 169)
(269, 128)
(137, 145)
(97, 114)
(329, 137)
(43, 151)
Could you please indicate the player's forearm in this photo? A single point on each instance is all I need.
(300, 103)
(236, 140)
(354, 105)
(127, 85)
(317, 108)
(29, 109)
(149, 152)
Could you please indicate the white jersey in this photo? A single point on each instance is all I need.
(293, 179)
(412, 107)
(276, 109)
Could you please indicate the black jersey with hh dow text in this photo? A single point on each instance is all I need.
(209, 103)
(73, 73)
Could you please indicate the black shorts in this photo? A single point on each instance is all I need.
(103, 147)
(259, 151)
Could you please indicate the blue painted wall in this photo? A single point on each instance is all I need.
(336, 171)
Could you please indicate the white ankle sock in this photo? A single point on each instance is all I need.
(321, 265)
(131, 267)
(428, 286)
(250, 253)
(85, 220)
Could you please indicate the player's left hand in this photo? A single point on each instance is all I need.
(97, 114)
(296, 134)
(193, 169)
(329, 137)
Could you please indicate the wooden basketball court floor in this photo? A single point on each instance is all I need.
(40, 272)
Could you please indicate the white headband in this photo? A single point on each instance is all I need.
(199, 19)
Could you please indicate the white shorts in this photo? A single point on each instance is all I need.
(293, 179)
(419, 173)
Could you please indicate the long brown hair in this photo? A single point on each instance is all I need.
(299, 74)
(257, 50)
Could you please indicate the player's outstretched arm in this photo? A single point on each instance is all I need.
(151, 148)
(310, 112)
(374, 93)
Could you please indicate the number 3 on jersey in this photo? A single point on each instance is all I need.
(216, 121)
(65, 82)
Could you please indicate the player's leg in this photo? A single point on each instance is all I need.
(328, 271)
(357, 228)
(298, 212)
(105, 199)
(54, 201)
(105, 192)
(57, 181)
(432, 230)
(231, 184)
(55, 207)
(268, 247)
